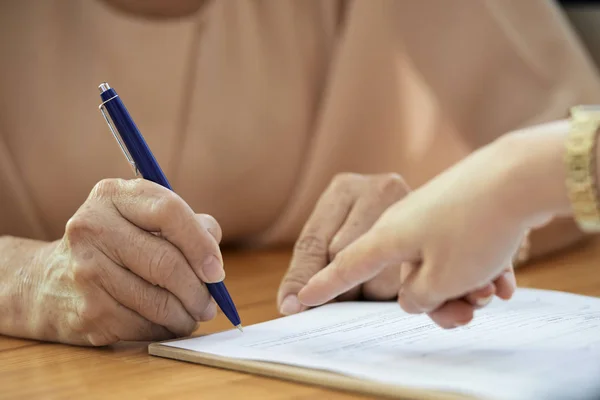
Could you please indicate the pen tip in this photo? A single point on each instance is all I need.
(240, 328)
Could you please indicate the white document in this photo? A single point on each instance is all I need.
(538, 345)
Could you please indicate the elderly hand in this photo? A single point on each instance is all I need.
(131, 266)
(346, 210)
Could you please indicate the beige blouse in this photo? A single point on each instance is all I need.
(251, 107)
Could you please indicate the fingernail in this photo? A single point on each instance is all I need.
(290, 305)
(213, 270)
(484, 301)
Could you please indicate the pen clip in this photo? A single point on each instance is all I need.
(115, 133)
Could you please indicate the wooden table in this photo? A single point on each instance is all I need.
(39, 370)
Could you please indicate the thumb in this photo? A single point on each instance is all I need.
(358, 263)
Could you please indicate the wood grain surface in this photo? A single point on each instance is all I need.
(30, 369)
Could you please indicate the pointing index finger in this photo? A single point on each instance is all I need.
(311, 252)
(358, 263)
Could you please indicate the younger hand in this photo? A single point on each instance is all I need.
(452, 236)
(346, 210)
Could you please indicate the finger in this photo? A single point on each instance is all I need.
(363, 215)
(154, 208)
(111, 322)
(387, 190)
(407, 269)
(481, 297)
(211, 225)
(351, 295)
(137, 328)
(311, 250)
(453, 313)
(358, 263)
(156, 261)
(151, 302)
(506, 284)
(418, 294)
(384, 286)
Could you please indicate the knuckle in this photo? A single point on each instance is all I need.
(83, 273)
(344, 179)
(391, 185)
(167, 204)
(311, 245)
(162, 266)
(99, 339)
(106, 188)
(211, 225)
(80, 227)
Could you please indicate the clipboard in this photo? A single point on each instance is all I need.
(308, 376)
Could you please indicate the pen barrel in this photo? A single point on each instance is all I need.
(133, 140)
(219, 292)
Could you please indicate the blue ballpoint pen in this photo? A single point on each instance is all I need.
(142, 160)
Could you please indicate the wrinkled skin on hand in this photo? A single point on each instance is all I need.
(132, 265)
